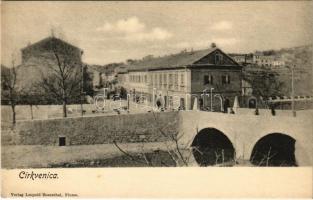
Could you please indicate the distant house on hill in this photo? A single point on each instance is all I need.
(242, 59)
(263, 60)
(278, 62)
(181, 78)
(239, 58)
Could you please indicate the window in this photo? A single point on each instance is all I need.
(160, 80)
(176, 81)
(169, 101)
(164, 80)
(182, 80)
(155, 80)
(218, 58)
(170, 80)
(225, 79)
(208, 79)
(150, 79)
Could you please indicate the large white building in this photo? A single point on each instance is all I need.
(181, 78)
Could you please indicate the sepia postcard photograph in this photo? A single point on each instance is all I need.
(156, 99)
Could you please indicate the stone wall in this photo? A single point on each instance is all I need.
(97, 130)
(23, 112)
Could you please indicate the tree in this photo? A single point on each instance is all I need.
(87, 82)
(130, 61)
(179, 152)
(9, 90)
(62, 79)
(264, 83)
(269, 52)
(123, 93)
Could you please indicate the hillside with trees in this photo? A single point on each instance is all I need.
(268, 81)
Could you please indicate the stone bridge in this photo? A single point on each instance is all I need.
(214, 137)
(249, 137)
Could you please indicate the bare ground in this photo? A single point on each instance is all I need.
(37, 156)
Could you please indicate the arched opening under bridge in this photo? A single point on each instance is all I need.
(212, 147)
(275, 149)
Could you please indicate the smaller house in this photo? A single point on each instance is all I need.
(239, 58)
(263, 60)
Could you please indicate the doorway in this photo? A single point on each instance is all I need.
(252, 103)
(62, 141)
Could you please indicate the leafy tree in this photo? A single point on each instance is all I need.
(264, 82)
(130, 61)
(87, 82)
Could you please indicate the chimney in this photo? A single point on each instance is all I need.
(213, 45)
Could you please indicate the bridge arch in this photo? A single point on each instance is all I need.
(211, 146)
(274, 149)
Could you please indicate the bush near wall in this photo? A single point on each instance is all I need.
(98, 130)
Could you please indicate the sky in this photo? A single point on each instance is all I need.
(115, 31)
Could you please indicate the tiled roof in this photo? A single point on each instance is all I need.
(171, 61)
(121, 69)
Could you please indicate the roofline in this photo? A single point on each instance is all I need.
(156, 69)
(225, 54)
(195, 66)
(137, 70)
(50, 38)
(174, 67)
(167, 68)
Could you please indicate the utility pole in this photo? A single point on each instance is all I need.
(203, 101)
(128, 96)
(211, 99)
(82, 90)
(293, 91)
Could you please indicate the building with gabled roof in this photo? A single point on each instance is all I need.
(39, 59)
(181, 78)
(49, 44)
